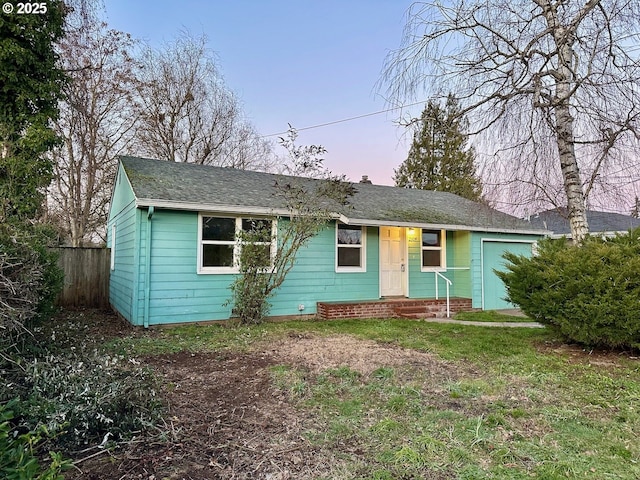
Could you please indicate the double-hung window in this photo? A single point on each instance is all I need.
(433, 255)
(350, 248)
(218, 241)
(220, 245)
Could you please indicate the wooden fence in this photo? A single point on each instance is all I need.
(86, 277)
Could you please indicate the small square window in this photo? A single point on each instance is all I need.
(350, 248)
(348, 257)
(259, 226)
(348, 235)
(430, 238)
(432, 249)
(431, 258)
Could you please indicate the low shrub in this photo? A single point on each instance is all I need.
(63, 391)
(82, 397)
(29, 276)
(18, 459)
(590, 293)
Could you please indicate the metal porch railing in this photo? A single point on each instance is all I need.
(448, 283)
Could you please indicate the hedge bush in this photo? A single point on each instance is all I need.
(590, 293)
(30, 278)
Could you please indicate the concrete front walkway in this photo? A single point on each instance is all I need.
(485, 324)
(514, 312)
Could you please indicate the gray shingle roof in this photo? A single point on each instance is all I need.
(199, 187)
(557, 221)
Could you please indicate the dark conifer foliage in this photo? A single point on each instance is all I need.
(440, 158)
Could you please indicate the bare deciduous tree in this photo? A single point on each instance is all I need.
(311, 198)
(550, 85)
(187, 114)
(96, 123)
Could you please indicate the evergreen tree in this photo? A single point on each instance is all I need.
(30, 81)
(439, 158)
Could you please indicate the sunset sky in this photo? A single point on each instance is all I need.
(300, 62)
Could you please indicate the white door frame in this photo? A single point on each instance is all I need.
(405, 261)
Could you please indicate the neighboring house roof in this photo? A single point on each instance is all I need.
(557, 220)
(188, 186)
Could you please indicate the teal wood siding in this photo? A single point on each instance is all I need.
(487, 249)
(458, 258)
(178, 293)
(459, 263)
(123, 214)
(421, 284)
(314, 277)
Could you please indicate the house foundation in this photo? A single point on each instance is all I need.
(393, 308)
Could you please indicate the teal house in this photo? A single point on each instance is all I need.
(393, 251)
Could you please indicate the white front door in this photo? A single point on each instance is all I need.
(392, 262)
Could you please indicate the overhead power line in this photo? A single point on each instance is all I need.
(357, 117)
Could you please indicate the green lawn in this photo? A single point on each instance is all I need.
(490, 316)
(504, 403)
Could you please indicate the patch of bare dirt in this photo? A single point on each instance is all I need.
(363, 356)
(577, 354)
(224, 422)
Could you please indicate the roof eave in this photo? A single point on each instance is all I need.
(209, 207)
(254, 210)
(438, 226)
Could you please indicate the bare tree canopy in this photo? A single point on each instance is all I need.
(187, 114)
(120, 99)
(553, 86)
(96, 123)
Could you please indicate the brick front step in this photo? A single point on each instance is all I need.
(390, 308)
(418, 316)
(409, 310)
(420, 311)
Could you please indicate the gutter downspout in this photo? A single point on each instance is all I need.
(147, 267)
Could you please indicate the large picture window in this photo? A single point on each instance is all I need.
(432, 249)
(219, 250)
(350, 248)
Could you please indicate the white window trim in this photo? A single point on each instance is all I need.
(236, 245)
(363, 252)
(113, 247)
(443, 252)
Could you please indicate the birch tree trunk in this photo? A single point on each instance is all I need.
(564, 124)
